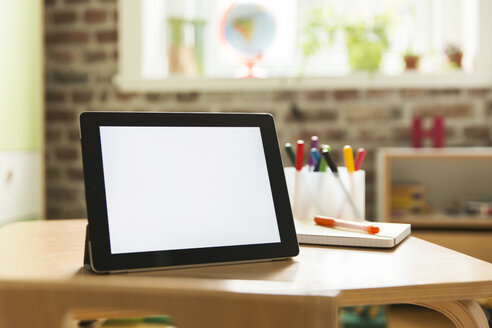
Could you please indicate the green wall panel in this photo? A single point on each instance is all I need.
(21, 74)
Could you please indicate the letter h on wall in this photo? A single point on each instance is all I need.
(436, 133)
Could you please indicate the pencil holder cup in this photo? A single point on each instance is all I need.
(319, 193)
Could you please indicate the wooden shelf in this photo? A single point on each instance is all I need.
(450, 176)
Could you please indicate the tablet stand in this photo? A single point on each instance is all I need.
(87, 259)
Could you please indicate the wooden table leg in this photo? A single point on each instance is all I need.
(463, 314)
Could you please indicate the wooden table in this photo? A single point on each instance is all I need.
(42, 280)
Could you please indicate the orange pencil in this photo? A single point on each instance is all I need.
(336, 223)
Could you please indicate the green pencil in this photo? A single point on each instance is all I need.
(323, 165)
(290, 153)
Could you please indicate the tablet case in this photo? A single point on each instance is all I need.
(87, 259)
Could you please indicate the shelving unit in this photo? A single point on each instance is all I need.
(450, 177)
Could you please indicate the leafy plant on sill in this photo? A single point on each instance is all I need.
(454, 54)
(365, 41)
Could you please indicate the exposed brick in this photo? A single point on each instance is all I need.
(76, 213)
(252, 97)
(64, 17)
(53, 212)
(60, 115)
(284, 96)
(445, 92)
(67, 153)
(125, 96)
(346, 94)
(374, 134)
(53, 174)
(146, 109)
(74, 135)
(76, 1)
(488, 109)
(82, 96)
(67, 37)
(220, 97)
(379, 93)
(158, 97)
(370, 197)
(94, 56)
(370, 176)
(370, 158)
(318, 95)
(95, 16)
(104, 77)
(187, 96)
(107, 36)
(61, 194)
(69, 77)
(478, 92)
(62, 56)
(315, 115)
(446, 110)
(55, 96)
(363, 114)
(414, 93)
(329, 135)
(306, 134)
(402, 133)
(477, 132)
(449, 132)
(103, 96)
(256, 109)
(76, 174)
(52, 135)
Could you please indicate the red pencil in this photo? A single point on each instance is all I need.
(299, 155)
(359, 158)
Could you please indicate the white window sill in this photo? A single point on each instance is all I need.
(353, 81)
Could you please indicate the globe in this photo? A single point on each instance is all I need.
(248, 28)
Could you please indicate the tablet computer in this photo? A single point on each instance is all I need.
(181, 189)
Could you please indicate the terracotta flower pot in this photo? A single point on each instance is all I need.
(455, 59)
(411, 62)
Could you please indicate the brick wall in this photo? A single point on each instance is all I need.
(81, 59)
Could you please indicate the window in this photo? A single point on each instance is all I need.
(181, 44)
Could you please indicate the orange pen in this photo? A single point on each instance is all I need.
(337, 223)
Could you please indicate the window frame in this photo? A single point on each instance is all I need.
(128, 77)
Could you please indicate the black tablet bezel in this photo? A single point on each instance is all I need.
(101, 257)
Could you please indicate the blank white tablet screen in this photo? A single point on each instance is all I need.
(186, 187)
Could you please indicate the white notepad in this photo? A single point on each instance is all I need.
(390, 235)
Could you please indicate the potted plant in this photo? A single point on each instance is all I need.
(411, 60)
(365, 41)
(454, 55)
(318, 31)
